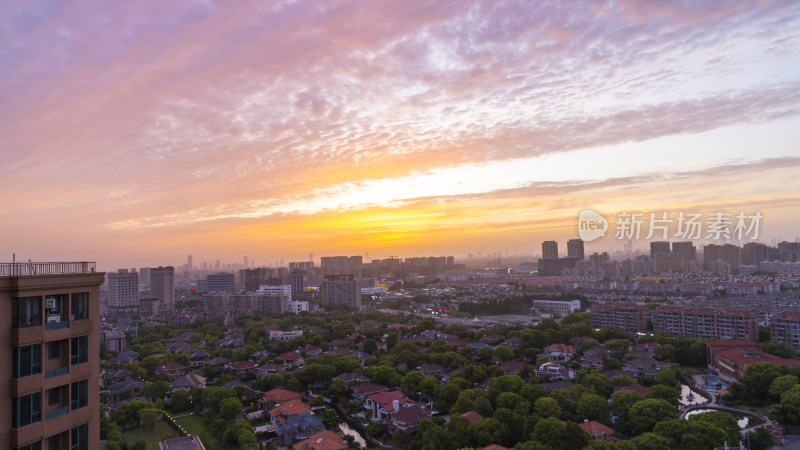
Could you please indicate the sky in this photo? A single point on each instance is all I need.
(136, 133)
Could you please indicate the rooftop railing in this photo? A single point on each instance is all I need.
(21, 269)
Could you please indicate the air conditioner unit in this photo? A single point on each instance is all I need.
(50, 303)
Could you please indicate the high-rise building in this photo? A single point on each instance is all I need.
(49, 396)
(755, 252)
(575, 248)
(273, 299)
(549, 249)
(189, 263)
(221, 282)
(659, 248)
(730, 255)
(686, 250)
(162, 286)
(298, 282)
(341, 290)
(123, 294)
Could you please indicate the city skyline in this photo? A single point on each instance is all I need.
(136, 134)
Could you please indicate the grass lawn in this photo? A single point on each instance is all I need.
(160, 432)
(194, 426)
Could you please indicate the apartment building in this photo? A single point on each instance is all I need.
(51, 314)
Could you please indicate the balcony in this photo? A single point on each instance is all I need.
(56, 413)
(56, 372)
(50, 326)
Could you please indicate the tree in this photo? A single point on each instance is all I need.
(760, 439)
(370, 346)
(486, 432)
(156, 389)
(593, 407)
(553, 433)
(229, 408)
(665, 393)
(777, 349)
(546, 407)
(667, 377)
(758, 377)
(411, 382)
(651, 441)
(645, 414)
(721, 420)
(448, 395)
(505, 383)
(598, 383)
(179, 400)
(782, 384)
(147, 417)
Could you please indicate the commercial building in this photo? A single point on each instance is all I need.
(221, 282)
(162, 286)
(556, 306)
(730, 359)
(50, 395)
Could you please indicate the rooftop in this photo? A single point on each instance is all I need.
(31, 268)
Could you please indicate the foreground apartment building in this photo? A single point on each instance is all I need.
(49, 392)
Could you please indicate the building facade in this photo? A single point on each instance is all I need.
(123, 293)
(628, 316)
(341, 290)
(162, 286)
(51, 312)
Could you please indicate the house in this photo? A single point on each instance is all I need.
(241, 367)
(355, 337)
(283, 411)
(361, 391)
(269, 368)
(559, 353)
(277, 335)
(312, 350)
(554, 371)
(648, 347)
(351, 377)
(171, 369)
(124, 357)
(383, 404)
(299, 427)
(291, 359)
(472, 417)
(115, 376)
(197, 358)
(246, 393)
(261, 354)
(217, 363)
(276, 396)
(408, 418)
(558, 386)
(188, 381)
(493, 338)
(639, 389)
(131, 386)
(511, 367)
(323, 440)
(432, 370)
(597, 430)
(645, 367)
(513, 341)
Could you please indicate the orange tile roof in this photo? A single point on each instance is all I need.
(323, 440)
(280, 395)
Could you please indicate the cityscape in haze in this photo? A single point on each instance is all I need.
(433, 225)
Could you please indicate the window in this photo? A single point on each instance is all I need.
(80, 350)
(80, 394)
(26, 360)
(80, 437)
(54, 350)
(53, 396)
(26, 312)
(34, 446)
(55, 442)
(80, 306)
(26, 410)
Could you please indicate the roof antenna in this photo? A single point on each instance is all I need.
(14, 258)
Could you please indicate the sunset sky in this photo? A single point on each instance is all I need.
(136, 133)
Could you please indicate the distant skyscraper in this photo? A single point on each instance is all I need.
(659, 248)
(298, 282)
(189, 263)
(162, 286)
(549, 249)
(246, 263)
(341, 290)
(123, 293)
(575, 248)
(686, 250)
(221, 282)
